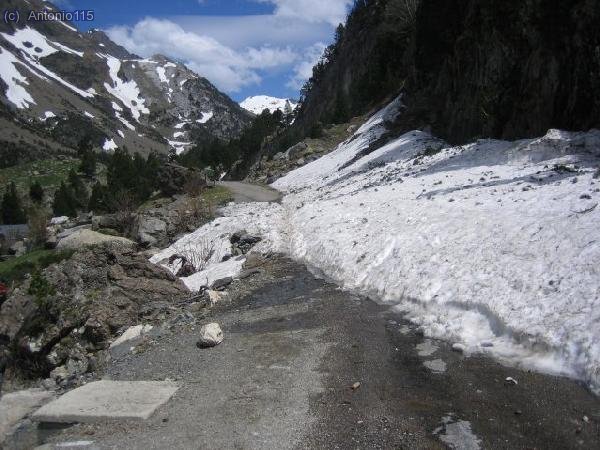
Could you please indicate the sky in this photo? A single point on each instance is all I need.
(244, 47)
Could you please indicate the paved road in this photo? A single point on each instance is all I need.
(294, 347)
(246, 192)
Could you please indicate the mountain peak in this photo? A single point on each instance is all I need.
(257, 103)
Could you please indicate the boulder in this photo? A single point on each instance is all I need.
(106, 221)
(18, 248)
(210, 335)
(253, 260)
(221, 283)
(295, 150)
(85, 237)
(172, 178)
(132, 333)
(150, 230)
(16, 405)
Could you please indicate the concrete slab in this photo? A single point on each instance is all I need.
(16, 405)
(106, 400)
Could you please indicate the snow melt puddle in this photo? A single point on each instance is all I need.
(457, 434)
(492, 245)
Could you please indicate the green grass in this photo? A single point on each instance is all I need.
(15, 269)
(48, 172)
(217, 195)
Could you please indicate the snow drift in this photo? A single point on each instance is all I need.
(494, 245)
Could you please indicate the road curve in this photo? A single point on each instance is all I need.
(247, 192)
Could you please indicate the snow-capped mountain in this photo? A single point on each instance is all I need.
(59, 87)
(258, 103)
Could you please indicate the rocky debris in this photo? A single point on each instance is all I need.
(17, 405)
(108, 400)
(65, 323)
(221, 284)
(242, 242)
(210, 335)
(86, 237)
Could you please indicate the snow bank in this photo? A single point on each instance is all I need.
(494, 245)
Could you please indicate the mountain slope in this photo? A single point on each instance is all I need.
(257, 103)
(60, 88)
(503, 69)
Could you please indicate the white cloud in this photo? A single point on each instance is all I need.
(228, 68)
(330, 11)
(303, 69)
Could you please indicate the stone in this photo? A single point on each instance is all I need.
(247, 273)
(253, 260)
(17, 405)
(221, 283)
(18, 248)
(107, 400)
(295, 150)
(210, 335)
(85, 237)
(215, 296)
(186, 269)
(106, 221)
(150, 230)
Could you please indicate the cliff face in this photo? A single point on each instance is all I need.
(500, 68)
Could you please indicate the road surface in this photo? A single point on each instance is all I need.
(286, 376)
(246, 192)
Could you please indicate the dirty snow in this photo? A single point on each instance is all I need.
(258, 103)
(15, 91)
(161, 74)
(87, 114)
(492, 245)
(179, 146)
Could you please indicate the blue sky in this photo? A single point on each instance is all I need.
(245, 47)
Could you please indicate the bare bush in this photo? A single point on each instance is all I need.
(195, 185)
(125, 205)
(198, 254)
(37, 220)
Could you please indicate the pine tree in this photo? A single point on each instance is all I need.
(36, 192)
(12, 211)
(97, 202)
(288, 113)
(80, 195)
(88, 163)
(341, 111)
(64, 203)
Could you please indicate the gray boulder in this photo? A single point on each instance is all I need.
(210, 335)
(295, 150)
(85, 237)
(150, 230)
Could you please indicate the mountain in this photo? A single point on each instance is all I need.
(258, 103)
(60, 88)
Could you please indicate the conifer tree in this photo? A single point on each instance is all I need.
(36, 192)
(12, 211)
(64, 203)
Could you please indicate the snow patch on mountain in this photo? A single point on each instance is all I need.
(206, 116)
(126, 91)
(257, 103)
(15, 91)
(493, 245)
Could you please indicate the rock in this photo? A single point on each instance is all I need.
(300, 162)
(59, 220)
(221, 283)
(106, 221)
(356, 385)
(278, 156)
(18, 248)
(247, 273)
(16, 405)
(510, 381)
(215, 296)
(173, 177)
(295, 150)
(458, 348)
(237, 236)
(51, 241)
(253, 260)
(186, 269)
(150, 230)
(107, 400)
(85, 237)
(210, 335)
